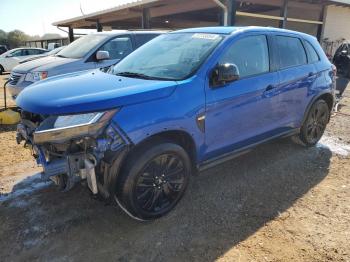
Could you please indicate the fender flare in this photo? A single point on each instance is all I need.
(313, 100)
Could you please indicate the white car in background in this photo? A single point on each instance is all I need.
(34, 57)
(11, 58)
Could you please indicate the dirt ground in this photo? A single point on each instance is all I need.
(280, 202)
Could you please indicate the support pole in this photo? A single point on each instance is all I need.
(284, 13)
(224, 12)
(5, 102)
(146, 17)
(98, 26)
(231, 12)
(70, 34)
(320, 27)
(229, 8)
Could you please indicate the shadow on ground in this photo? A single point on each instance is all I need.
(222, 207)
(7, 128)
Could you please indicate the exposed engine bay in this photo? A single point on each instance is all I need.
(74, 148)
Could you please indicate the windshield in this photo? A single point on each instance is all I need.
(80, 47)
(173, 56)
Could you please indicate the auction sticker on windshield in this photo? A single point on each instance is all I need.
(205, 36)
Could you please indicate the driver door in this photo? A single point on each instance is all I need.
(244, 111)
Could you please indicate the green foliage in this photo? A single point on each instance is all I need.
(16, 38)
(3, 38)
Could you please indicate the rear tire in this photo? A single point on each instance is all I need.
(314, 125)
(154, 180)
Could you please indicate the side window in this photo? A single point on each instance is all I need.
(40, 51)
(118, 47)
(250, 55)
(142, 39)
(33, 51)
(291, 51)
(25, 52)
(312, 55)
(17, 53)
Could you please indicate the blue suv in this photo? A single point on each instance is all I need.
(181, 103)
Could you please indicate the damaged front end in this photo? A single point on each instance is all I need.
(72, 148)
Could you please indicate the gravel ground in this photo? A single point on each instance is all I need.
(280, 202)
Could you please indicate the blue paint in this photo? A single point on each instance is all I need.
(238, 114)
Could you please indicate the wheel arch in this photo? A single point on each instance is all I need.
(326, 96)
(179, 137)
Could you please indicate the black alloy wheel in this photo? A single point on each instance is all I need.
(160, 183)
(154, 180)
(315, 123)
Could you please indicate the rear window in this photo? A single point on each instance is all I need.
(291, 51)
(312, 55)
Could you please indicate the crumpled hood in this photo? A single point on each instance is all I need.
(43, 64)
(88, 92)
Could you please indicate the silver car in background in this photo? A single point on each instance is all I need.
(97, 50)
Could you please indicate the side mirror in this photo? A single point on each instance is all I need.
(102, 55)
(344, 52)
(223, 74)
(9, 55)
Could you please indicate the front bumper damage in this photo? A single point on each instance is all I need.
(94, 159)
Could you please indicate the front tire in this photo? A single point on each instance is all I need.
(154, 180)
(315, 123)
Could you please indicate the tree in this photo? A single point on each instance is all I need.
(3, 38)
(16, 38)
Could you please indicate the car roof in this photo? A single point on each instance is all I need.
(20, 48)
(229, 30)
(118, 32)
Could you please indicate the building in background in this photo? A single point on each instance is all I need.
(336, 27)
(328, 20)
(44, 43)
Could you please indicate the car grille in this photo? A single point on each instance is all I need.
(14, 78)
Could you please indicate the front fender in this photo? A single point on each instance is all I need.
(177, 112)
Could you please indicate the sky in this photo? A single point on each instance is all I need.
(35, 17)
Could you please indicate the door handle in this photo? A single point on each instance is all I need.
(270, 87)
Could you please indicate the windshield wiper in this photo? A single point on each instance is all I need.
(136, 75)
(61, 56)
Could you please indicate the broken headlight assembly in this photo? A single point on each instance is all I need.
(58, 129)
